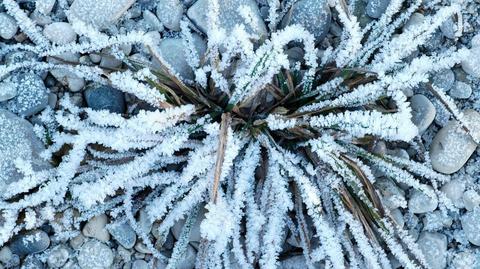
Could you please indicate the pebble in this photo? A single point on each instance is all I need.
(195, 230)
(397, 217)
(8, 90)
(31, 242)
(123, 233)
(95, 254)
(17, 140)
(376, 8)
(144, 221)
(229, 16)
(105, 97)
(423, 112)
(170, 13)
(452, 146)
(315, 16)
(32, 262)
(449, 28)
(5, 255)
(415, 20)
(8, 26)
(392, 196)
(75, 84)
(188, 259)
(471, 63)
(152, 21)
(140, 264)
(95, 228)
(60, 33)
(294, 262)
(463, 260)
(471, 199)
(58, 257)
(444, 79)
(77, 241)
(434, 248)
(44, 6)
(142, 248)
(173, 52)
(32, 95)
(461, 90)
(471, 225)
(436, 220)
(99, 13)
(454, 191)
(420, 203)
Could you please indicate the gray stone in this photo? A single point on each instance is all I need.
(471, 199)
(173, 52)
(58, 257)
(123, 233)
(8, 90)
(434, 248)
(471, 63)
(195, 230)
(452, 146)
(95, 254)
(140, 264)
(105, 97)
(29, 243)
(454, 191)
(461, 90)
(99, 13)
(44, 6)
(8, 26)
(77, 241)
(436, 220)
(397, 217)
(392, 196)
(153, 23)
(17, 140)
(471, 225)
(170, 13)
(32, 262)
(229, 16)
(96, 228)
(293, 262)
(5, 255)
(32, 95)
(376, 8)
(313, 15)
(463, 260)
(449, 28)
(419, 202)
(60, 33)
(444, 79)
(188, 259)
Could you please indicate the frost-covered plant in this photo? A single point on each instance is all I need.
(266, 146)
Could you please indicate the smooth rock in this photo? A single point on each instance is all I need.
(392, 196)
(415, 20)
(434, 248)
(449, 28)
(461, 90)
(17, 140)
(173, 52)
(229, 16)
(444, 79)
(142, 248)
(463, 260)
(140, 264)
(44, 6)
(95, 254)
(294, 262)
(188, 259)
(397, 217)
(8, 90)
(58, 257)
(423, 112)
(471, 225)
(170, 13)
(123, 233)
(77, 241)
(5, 255)
(105, 97)
(8, 26)
(452, 146)
(99, 13)
(454, 191)
(376, 8)
(60, 33)
(75, 84)
(29, 243)
(144, 221)
(95, 228)
(471, 64)
(476, 41)
(32, 95)
(471, 199)
(152, 21)
(420, 203)
(436, 220)
(315, 16)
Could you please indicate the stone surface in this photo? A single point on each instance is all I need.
(140, 264)
(123, 233)
(436, 220)
(44, 6)
(8, 26)
(8, 90)
(229, 16)
(100, 13)
(471, 64)
(195, 230)
(58, 257)
(294, 262)
(444, 79)
(32, 95)
(419, 202)
(454, 191)
(105, 97)
(17, 140)
(173, 52)
(152, 21)
(452, 146)
(423, 112)
(95, 254)
(31, 242)
(463, 260)
(313, 15)
(471, 225)
(170, 13)
(471, 199)
(188, 259)
(60, 33)
(376, 8)
(461, 90)
(95, 228)
(434, 248)
(415, 20)
(449, 28)
(392, 196)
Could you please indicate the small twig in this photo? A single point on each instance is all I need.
(222, 143)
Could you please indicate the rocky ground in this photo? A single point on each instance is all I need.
(449, 240)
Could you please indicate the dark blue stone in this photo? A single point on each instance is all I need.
(105, 97)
